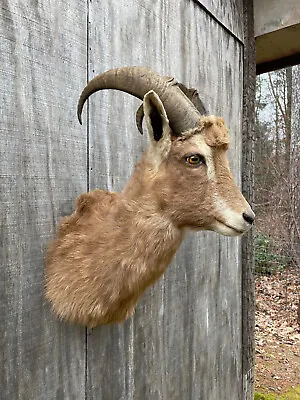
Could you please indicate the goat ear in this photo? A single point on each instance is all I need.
(157, 123)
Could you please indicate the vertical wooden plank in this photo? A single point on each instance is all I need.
(228, 13)
(184, 340)
(248, 285)
(42, 169)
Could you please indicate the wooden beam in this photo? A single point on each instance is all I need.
(277, 34)
(284, 62)
(248, 288)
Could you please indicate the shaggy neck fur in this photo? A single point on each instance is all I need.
(107, 253)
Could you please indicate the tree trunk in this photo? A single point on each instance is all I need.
(288, 120)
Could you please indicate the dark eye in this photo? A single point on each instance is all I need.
(195, 159)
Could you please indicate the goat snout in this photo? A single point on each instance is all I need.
(249, 217)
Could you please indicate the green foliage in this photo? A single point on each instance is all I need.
(261, 396)
(293, 394)
(267, 260)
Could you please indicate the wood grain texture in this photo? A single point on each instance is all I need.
(185, 338)
(229, 13)
(248, 166)
(42, 169)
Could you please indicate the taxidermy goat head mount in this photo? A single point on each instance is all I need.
(115, 245)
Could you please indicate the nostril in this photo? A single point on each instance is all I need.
(248, 218)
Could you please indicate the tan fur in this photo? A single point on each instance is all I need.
(115, 245)
(105, 256)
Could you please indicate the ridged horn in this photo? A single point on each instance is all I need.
(137, 81)
(191, 93)
(139, 116)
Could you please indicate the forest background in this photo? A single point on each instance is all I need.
(277, 239)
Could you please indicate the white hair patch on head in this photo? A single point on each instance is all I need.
(206, 152)
(227, 212)
(229, 217)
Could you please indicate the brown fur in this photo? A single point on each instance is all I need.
(105, 256)
(115, 245)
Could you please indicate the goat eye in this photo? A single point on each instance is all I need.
(195, 159)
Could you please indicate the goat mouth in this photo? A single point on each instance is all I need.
(231, 227)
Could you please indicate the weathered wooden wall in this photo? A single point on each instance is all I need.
(185, 340)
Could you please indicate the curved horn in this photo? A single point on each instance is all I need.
(139, 116)
(191, 93)
(182, 113)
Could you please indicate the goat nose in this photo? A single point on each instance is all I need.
(249, 217)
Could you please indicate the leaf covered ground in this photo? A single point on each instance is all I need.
(277, 334)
